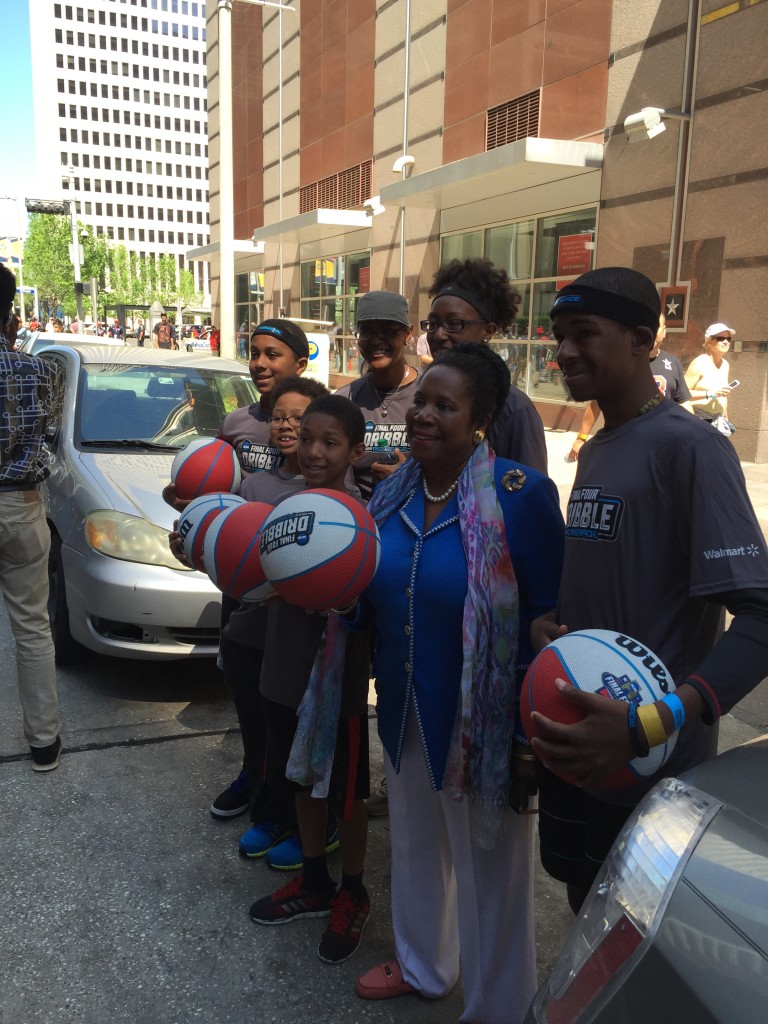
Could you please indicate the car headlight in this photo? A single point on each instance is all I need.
(627, 901)
(130, 538)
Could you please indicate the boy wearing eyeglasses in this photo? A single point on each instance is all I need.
(273, 833)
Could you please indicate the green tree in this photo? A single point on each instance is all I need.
(96, 252)
(166, 279)
(47, 264)
(187, 296)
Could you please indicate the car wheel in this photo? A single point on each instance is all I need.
(68, 651)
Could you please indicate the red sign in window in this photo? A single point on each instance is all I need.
(574, 256)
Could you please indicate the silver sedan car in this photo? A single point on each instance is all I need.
(124, 413)
(675, 928)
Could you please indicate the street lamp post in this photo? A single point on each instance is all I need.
(69, 178)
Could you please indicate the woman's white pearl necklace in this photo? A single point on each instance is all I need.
(440, 497)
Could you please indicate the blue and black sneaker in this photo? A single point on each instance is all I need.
(288, 855)
(261, 837)
(234, 800)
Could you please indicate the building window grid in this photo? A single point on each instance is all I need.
(125, 70)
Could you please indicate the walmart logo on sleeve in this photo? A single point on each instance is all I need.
(593, 515)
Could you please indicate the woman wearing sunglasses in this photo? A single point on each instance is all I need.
(707, 376)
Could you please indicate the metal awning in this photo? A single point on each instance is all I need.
(313, 226)
(520, 165)
(247, 255)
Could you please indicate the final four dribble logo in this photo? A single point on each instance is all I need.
(620, 688)
(295, 528)
(593, 515)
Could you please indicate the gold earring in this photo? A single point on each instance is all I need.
(479, 436)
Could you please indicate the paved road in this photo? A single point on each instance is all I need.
(122, 899)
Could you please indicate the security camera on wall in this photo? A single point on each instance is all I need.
(402, 162)
(646, 124)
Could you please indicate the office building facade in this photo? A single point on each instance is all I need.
(120, 100)
(375, 139)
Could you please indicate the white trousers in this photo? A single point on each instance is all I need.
(452, 901)
(24, 544)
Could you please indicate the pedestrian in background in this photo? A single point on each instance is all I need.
(27, 398)
(707, 376)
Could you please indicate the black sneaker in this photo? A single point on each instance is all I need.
(45, 759)
(349, 917)
(292, 902)
(234, 800)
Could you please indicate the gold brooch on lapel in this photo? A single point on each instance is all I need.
(514, 480)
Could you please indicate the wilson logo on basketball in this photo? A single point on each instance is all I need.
(295, 528)
(637, 650)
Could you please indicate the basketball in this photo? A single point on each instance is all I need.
(320, 549)
(195, 520)
(231, 552)
(605, 662)
(205, 466)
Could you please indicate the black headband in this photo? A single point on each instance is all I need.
(289, 333)
(461, 293)
(580, 298)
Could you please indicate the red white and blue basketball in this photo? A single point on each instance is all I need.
(320, 549)
(231, 552)
(605, 662)
(196, 518)
(205, 466)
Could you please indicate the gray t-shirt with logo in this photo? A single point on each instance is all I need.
(658, 521)
(247, 430)
(384, 413)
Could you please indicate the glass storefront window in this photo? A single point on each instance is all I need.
(329, 292)
(249, 299)
(565, 244)
(521, 324)
(511, 246)
(461, 247)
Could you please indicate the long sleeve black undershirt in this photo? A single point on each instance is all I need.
(739, 660)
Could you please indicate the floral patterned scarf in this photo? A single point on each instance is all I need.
(480, 752)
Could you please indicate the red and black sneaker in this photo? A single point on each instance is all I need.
(292, 902)
(349, 916)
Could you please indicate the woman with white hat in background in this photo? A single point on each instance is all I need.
(707, 376)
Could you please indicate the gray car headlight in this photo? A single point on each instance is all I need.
(130, 538)
(627, 901)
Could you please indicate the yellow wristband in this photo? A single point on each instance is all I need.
(582, 437)
(653, 727)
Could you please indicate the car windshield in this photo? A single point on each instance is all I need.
(150, 406)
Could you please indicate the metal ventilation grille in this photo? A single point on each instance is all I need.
(342, 191)
(513, 120)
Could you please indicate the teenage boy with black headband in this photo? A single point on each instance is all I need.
(654, 550)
